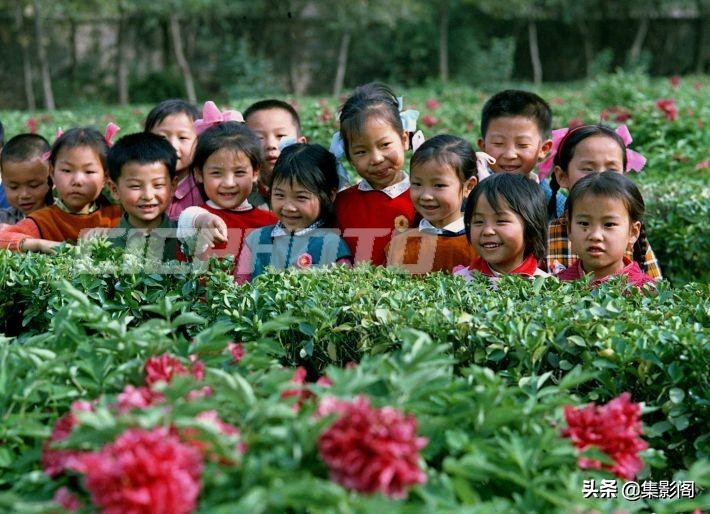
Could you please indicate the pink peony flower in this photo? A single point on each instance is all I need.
(304, 261)
(137, 398)
(557, 100)
(371, 450)
(668, 106)
(55, 462)
(144, 472)
(614, 428)
(192, 437)
(302, 393)
(31, 125)
(429, 120)
(675, 81)
(165, 367)
(237, 351)
(433, 104)
(68, 500)
(702, 165)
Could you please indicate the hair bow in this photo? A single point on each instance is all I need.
(111, 130)
(409, 117)
(47, 155)
(417, 140)
(337, 148)
(544, 168)
(212, 116)
(483, 162)
(286, 141)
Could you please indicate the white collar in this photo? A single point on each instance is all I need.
(244, 206)
(392, 191)
(455, 226)
(280, 230)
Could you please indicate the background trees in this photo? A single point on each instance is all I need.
(121, 51)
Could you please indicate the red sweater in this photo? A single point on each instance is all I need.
(368, 220)
(632, 270)
(239, 223)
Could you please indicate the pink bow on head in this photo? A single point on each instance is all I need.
(634, 160)
(483, 162)
(111, 130)
(212, 116)
(545, 166)
(47, 155)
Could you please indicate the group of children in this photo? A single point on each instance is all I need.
(254, 188)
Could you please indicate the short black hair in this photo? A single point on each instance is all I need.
(167, 108)
(448, 150)
(24, 147)
(315, 168)
(273, 103)
(141, 148)
(516, 102)
(523, 196)
(2, 135)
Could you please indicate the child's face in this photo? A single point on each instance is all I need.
(227, 177)
(498, 237)
(26, 184)
(78, 176)
(271, 126)
(593, 154)
(179, 130)
(296, 206)
(600, 231)
(437, 192)
(377, 153)
(144, 191)
(516, 144)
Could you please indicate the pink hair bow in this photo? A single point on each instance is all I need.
(543, 170)
(483, 162)
(111, 130)
(634, 160)
(47, 155)
(212, 116)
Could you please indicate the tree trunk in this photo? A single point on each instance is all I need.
(121, 60)
(342, 63)
(26, 64)
(180, 57)
(444, 41)
(534, 52)
(72, 53)
(42, 55)
(637, 45)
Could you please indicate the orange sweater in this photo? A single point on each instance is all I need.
(54, 224)
(419, 252)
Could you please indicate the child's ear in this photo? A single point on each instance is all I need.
(469, 185)
(113, 187)
(198, 175)
(561, 176)
(545, 149)
(302, 139)
(405, 139)
(481, 144)
(333, 194)
(634, 231)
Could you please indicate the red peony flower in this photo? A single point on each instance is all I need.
(326, 115)
(165, 367)
(702, 165)
(237, 351)
(369, 450)
(68, 500)
(302, 393)
(144, 472)
(192, 437)
(55, 462)
(698, 86)
(668, 106)
(614, 428)
(433, 104)
(429, 120)
(137, 398)
(31, 125)
(675, 81)
(574, 123)
(557, 100)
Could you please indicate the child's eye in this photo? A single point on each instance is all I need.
(583, 223)
(304, 198)
(610, 224)
(440, 186)
(477, 222)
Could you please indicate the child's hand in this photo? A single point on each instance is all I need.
(38, 245)
(211, 230)
(96, 232)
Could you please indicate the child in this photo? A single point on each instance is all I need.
(374, 141)
(604, 213)
(583, 150)
(506, 224)
(142, 171)
(25, 176)
(174, 120)
(77, 167)
(515, 131)
(443, 171)
(304, 184)
(3, 198)
(273, 121)
(227, 160)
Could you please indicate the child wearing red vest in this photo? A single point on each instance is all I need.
(374, 138)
